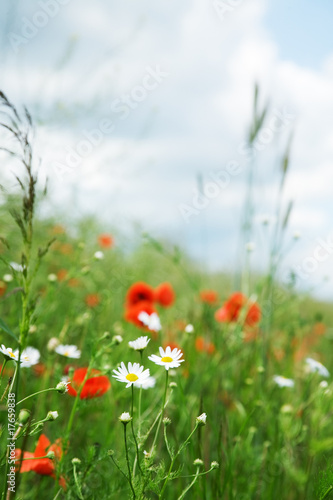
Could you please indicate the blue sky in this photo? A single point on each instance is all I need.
(302, 29)
(74, 71)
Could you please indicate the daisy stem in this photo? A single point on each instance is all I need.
(133, 433)
(174, 459)
(190, 485)
(128, 464)
(36, 393)
(162, 411)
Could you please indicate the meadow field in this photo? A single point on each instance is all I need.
(128, 372)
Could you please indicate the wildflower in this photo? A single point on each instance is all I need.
(92, 300)
(283, 381)
(166, 421)
(8, 278)
(69, 351)
(8, 353)
(198, 462)
(189, 328)
(139, 344)
(209, 297)
(52, 415)
(164, 294)
(201, 345)
(42, 466)
(62, 274)
(16, 267)
(125, 417)
(139, 292)
(105, 240)
(62, 387)
(95, 386)
(232, 308)
(52, 344)
(134, 373)
(29, 357)
(32, 329)
(52, 278)
(117, 339)
(132, 313)
(201, 419)
(151, 321)
(168, 358)
(149, 383)
(323, 384)
(316, 367)
(214, 465)
(99, 255)
(3, 288)
(76, 461)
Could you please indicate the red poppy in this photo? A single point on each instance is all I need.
(62, 274)
(94, 387)
(92, 300)
(73, 282)
(201, 345)
(66, 249)
(171, 344)
(132, 313)
(164, 294)
(231, 310)
(105, 240)
(43, 466)
(58, 229)
(209, 297)
(3, 288)
(139, 292)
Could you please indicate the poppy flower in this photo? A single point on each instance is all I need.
(132, 313)
(209, 297)
(42, 466)
(232, 308)
(95, 386)
(164, 294)
(201, 345)
(105, 240)
(139, 292)
(62, 274)
(92, 300)
(58, 229)
(3, 288)
(66, 249)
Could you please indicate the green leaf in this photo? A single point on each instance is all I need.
(6, 328)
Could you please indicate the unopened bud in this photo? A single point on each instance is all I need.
(24, 416)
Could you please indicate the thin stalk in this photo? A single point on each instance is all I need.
(36, 393)
(134, 437)
(162, 411)
(128, 463)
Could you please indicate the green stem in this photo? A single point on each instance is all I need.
(174, 459)
(162, 412)
(128, 464)
(327, 492)
(35, 394)
(190, 485)
(134, 437)
(2, 369)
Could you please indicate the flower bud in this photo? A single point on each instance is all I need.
(214, 465)
(201, 419)
(51, 455)
(24, 416)
(117, 339)
(76, 461)
(166, 421)
(172, 385)
(52, 415)
(198, 462)
(52, 344)
(62, 387)
(52, 278)
(125, 418)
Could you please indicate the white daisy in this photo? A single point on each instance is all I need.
(147, 384)
(29, 357)
(189, 328)
(316, 367)
(283, 381)
(70, 351)
(152, 321)
(99, 255)
(168, 358)
(17, 267)
(8, 278)
(139, 344)
(8, 353)
(134, 373)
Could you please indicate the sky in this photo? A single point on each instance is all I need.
(143, 106)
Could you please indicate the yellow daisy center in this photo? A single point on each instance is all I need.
(166, 359)
(66, 353)
(12, 355)
(131, 377)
